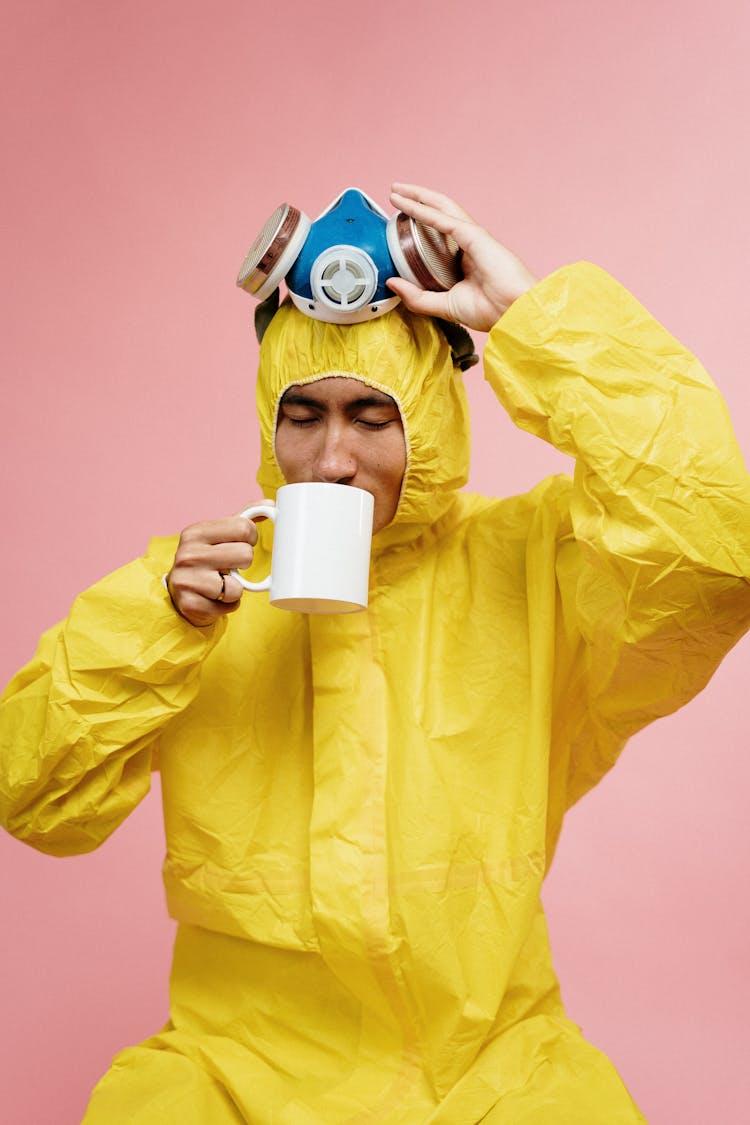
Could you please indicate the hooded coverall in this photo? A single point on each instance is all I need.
(360, 809)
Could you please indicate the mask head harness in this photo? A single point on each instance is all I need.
(336, 267)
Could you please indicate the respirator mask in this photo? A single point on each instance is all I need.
(336, 267)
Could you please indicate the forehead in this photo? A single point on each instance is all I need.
(337, 391)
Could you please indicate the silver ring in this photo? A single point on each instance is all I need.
(223, 590)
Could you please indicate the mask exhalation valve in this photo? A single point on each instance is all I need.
(343, 278)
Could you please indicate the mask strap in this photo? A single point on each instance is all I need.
(460, 342)
(264, 313)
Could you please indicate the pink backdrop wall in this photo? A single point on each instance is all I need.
(143, 144)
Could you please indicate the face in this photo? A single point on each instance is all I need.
(340, 431)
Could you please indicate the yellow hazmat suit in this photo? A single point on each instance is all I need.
(360, 810)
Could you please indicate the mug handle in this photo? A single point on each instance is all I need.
(270, 511)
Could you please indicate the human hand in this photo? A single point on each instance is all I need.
(200, 585)
(493, 277)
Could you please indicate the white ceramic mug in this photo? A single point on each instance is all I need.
(321, 548)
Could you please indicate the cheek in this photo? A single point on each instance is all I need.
(289, 453)
(396, 461)
(392, 468)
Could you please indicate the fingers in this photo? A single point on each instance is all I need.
(423, 301)
(458, 227)
(196, 595)
(234, 529)
(199, 583)
(214, 556)
(493, 278)
(230, 589)
(410, 196)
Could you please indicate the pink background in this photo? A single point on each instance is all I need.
(144, 143)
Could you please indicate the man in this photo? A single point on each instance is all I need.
(360, 810)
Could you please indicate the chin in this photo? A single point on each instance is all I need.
(379, 521)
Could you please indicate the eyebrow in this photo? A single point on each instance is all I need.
(298, 398)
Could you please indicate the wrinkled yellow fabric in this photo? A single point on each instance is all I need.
(360, 810)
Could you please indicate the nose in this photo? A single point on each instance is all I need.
(336, 462)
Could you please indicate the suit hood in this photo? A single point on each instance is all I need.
(400, 353)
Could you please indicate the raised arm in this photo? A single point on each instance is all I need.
(654, 581)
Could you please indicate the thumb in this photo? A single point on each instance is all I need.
(419, 300)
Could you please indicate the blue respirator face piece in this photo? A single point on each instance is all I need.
(345, 261)
(336, 267)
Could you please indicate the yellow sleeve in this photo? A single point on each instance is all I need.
(654, 585)
(80, 723)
